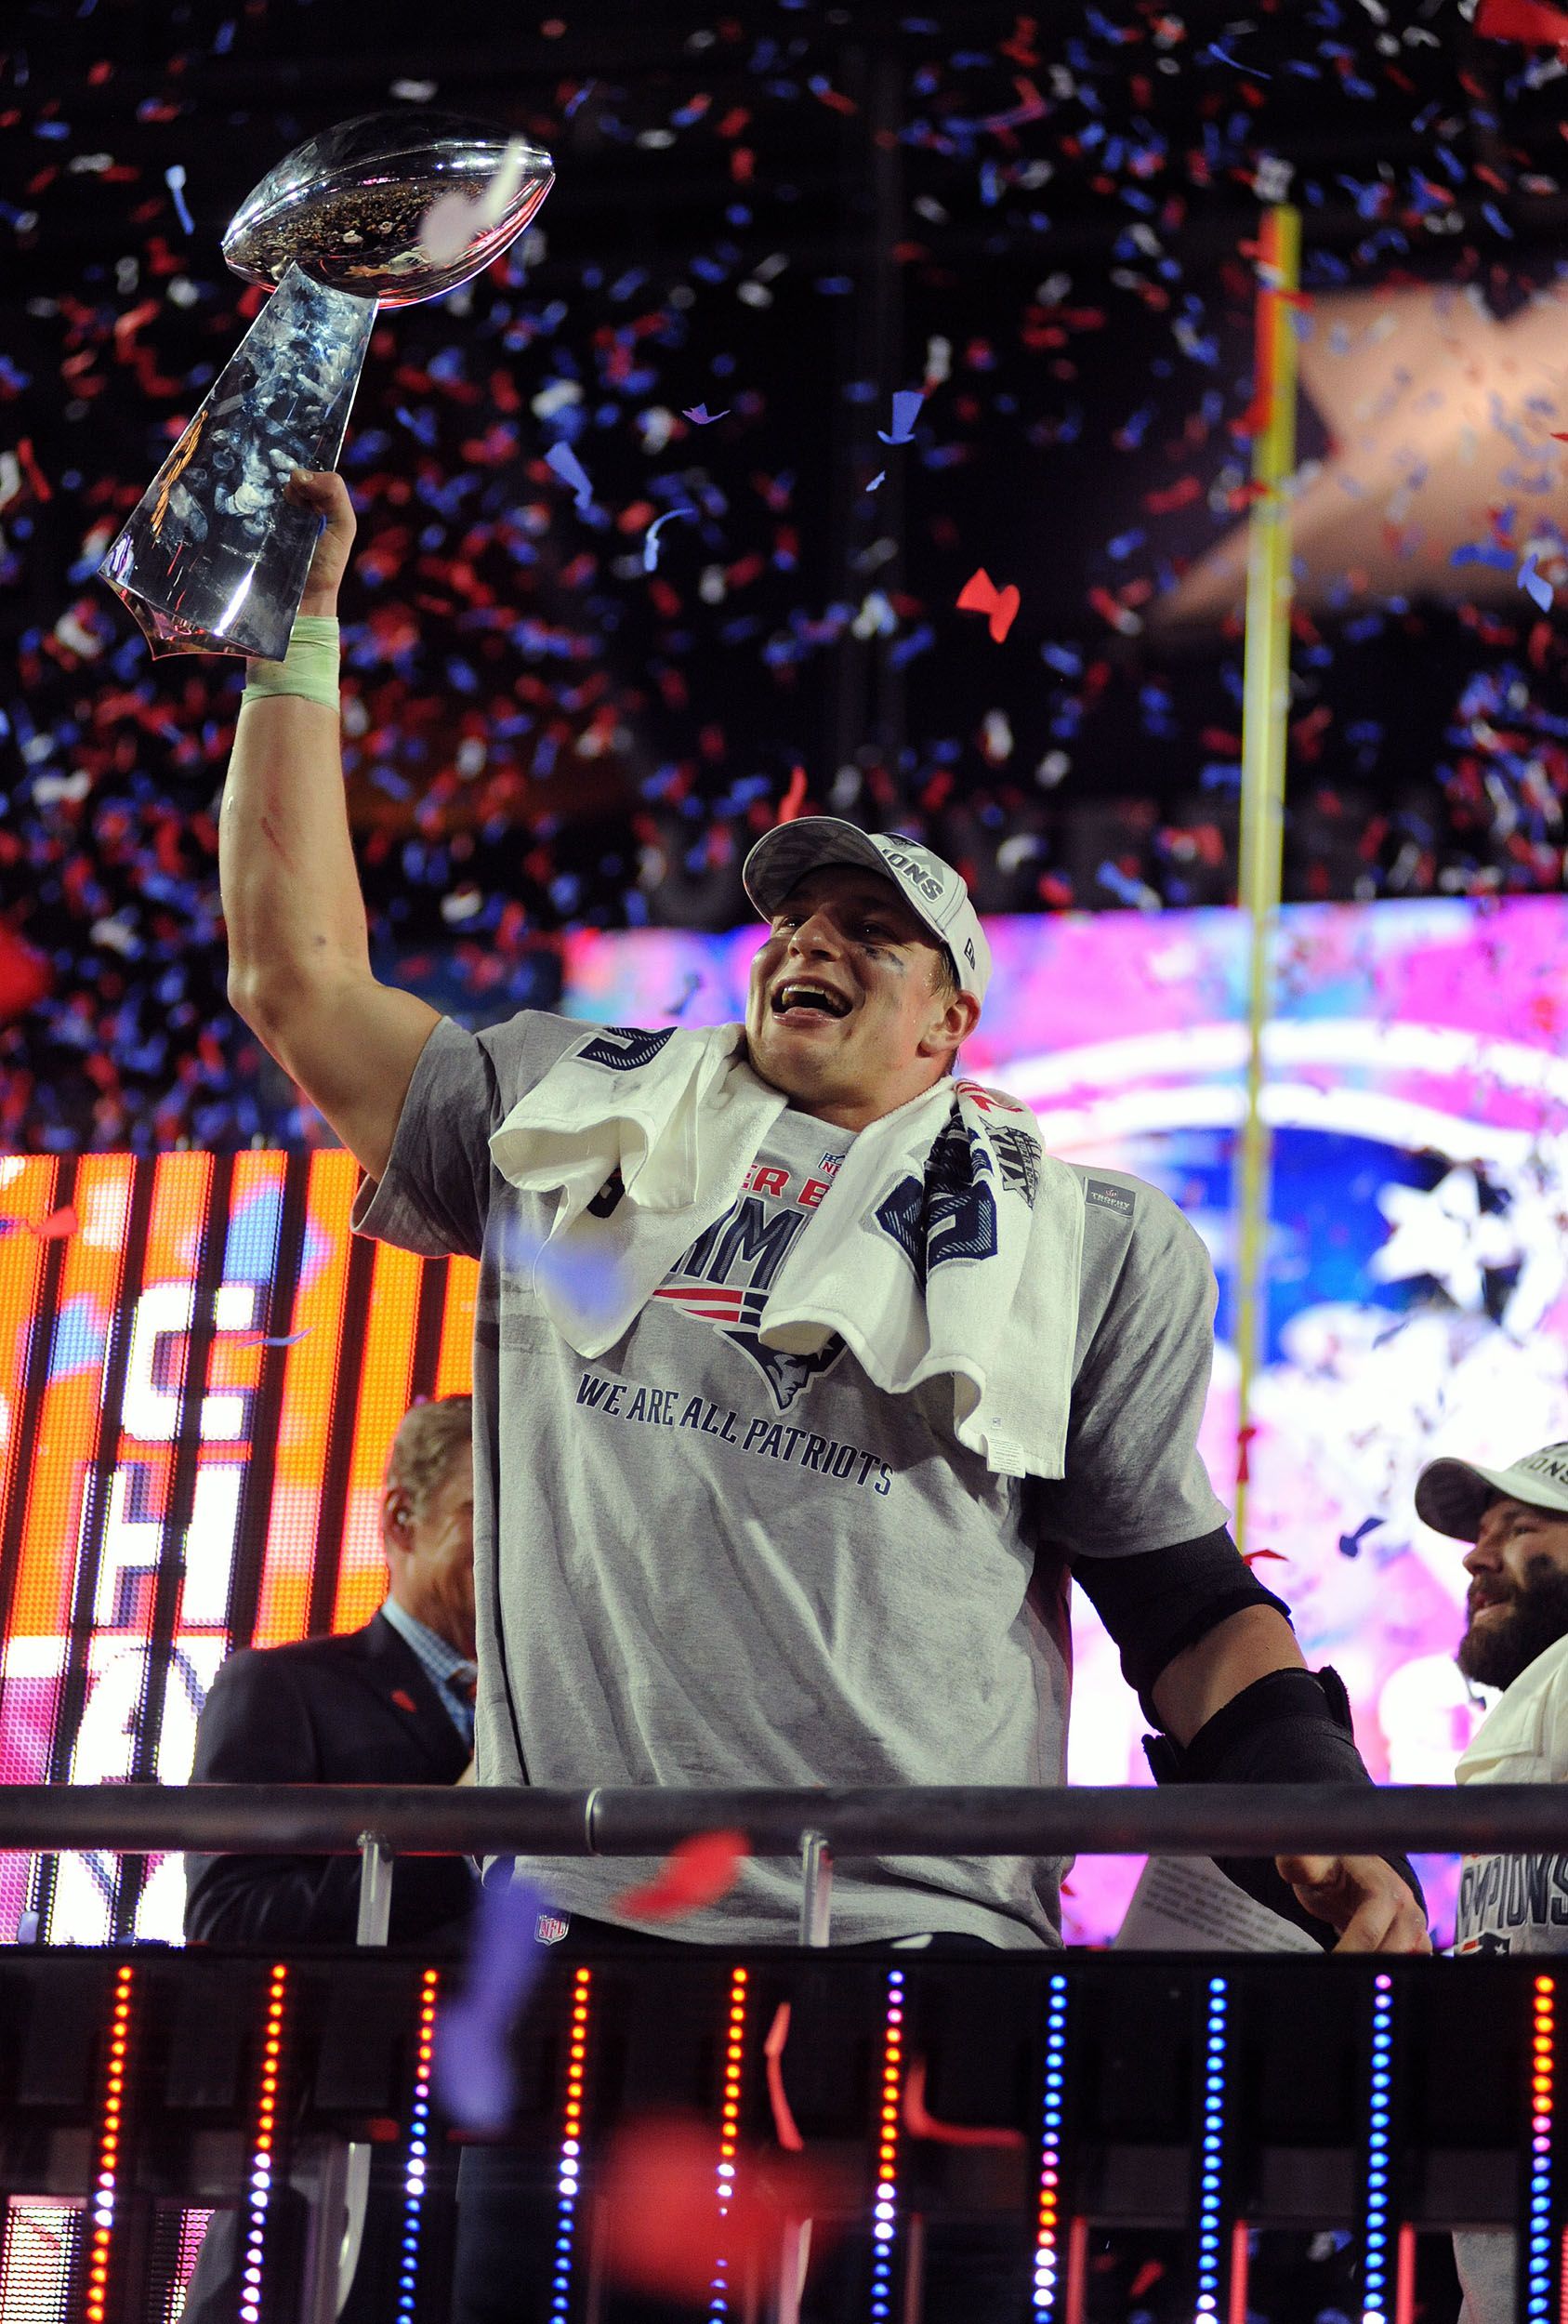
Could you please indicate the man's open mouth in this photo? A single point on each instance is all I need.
(800, 1000)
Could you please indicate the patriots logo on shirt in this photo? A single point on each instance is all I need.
(624, 1047)
(735, 1313)
(952, 1214)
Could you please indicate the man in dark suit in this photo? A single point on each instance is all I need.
(391, 1703)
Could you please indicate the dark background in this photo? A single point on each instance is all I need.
(784, 213)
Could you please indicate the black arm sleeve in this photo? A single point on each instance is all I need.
(1160, 1601)
(1293, 1727)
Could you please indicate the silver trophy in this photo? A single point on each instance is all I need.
(382, 211)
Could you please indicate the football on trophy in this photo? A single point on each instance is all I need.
(394, 206)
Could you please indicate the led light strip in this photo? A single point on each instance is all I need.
(418, 2149)
(729, 2137)
(1209, 2185)
(1047, 2235)
(102, 2206)
(884, 2214)
(1543, 2077)
(1375, 2242)
(262, 2157)
(571, 2147)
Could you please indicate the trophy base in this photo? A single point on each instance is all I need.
(214, 557)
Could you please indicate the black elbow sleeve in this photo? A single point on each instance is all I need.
(1155, 1603)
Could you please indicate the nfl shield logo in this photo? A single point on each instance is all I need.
(550, 1927)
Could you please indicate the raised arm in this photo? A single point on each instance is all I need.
(299, 969)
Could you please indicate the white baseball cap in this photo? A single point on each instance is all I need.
(783, 857)
(1451, 1496)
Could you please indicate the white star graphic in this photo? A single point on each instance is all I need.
(1442, 1231)
(1438, 414)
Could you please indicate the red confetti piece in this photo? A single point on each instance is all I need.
(1146, 2279)
(1244, 1453)
(697, 1873)
(24, 975)
(981, 595)
(59, 1226)
(1251, 1557)
(663, 2232)
(1177, 495)
(34, 474)
(795, 798)
(1529, 20)
(784, 2127)
(920, 2123)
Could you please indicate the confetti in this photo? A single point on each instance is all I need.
(1222, 56)
(474, 2078)
(981, 595)
(173, 177)
(695, 1873)
(1349, 1543)
(454, 221)
(662, 2229)
(906, 408)
(564, 461)
(651, 538)
(1530, 21)
(544, 733)
(785, 2129)
(794, 799)
(920, 2123)
(1536, 584)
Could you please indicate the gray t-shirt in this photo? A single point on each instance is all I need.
(700, 1561)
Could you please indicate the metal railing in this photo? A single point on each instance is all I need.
(420, 1819)
(379, 1823)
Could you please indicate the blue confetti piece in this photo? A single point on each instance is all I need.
(1349, 1543)
(651, 538)
(699, 416)
(173, 177)
(1483, 553)
(1250, 71)
(474, 2077)
(907, 406)
(880, 478)
(904, 650)
(1536, 584)
(566, 465)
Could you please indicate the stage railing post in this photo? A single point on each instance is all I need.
(1265, 730)
(375, 1922)
(816, 1888)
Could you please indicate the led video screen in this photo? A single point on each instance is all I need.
(201, 1368)
(200, 1371)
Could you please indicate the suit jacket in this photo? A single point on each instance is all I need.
(355, 1709)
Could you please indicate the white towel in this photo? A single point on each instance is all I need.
(949, 1242)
